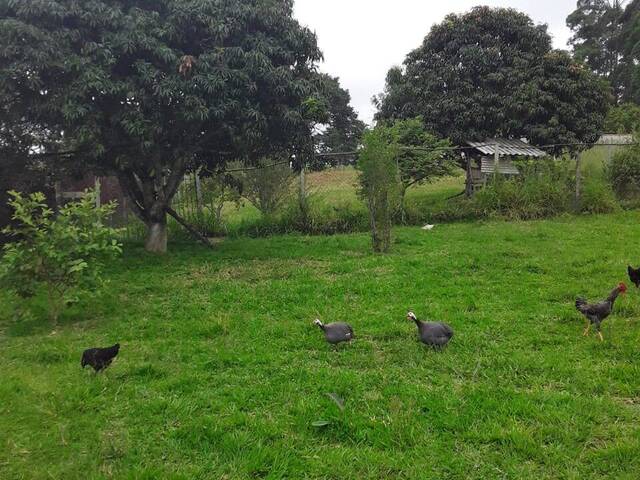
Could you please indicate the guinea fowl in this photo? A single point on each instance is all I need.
(634, 275)
(595, 313)
(337, 332)
(99, 358)
(434, 334)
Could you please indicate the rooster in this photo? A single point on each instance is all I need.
(634, 275)
(595, 313)
(99, 358)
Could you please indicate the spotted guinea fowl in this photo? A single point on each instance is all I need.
(99, 358)
(434, 334)
(337, 332)
(595, 313)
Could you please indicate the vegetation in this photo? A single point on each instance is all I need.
(60, 253)
(491, 72)
(342, 131)
(605, 37)
(624, 118)
(624, 173)
(268, 185)
(421, 156)
(148, 90)
(225, 376)
(379, 184)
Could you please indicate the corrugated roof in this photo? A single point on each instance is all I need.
(507, 147)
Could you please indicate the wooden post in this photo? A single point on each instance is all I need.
(578, 181)
(469, 186)
(198, 192)
(97, 190)
(302, 192)
(57, 186)
(496, 159)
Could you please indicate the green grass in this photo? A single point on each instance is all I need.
(221, 373)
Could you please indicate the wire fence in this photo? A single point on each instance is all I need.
(274, 198)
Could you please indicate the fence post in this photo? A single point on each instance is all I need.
(302, 189)
(496, 159)
(578, 181)
(98, 193)
(198, 192)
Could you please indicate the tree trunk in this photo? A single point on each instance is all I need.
(156, 241)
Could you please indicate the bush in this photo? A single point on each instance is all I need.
(62, 253)
(597, 196)
(623, 173)
(268, 185)
(545, 189)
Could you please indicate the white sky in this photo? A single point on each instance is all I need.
(362, 39)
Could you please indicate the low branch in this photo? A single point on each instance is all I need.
(194, 233)
(456, 195)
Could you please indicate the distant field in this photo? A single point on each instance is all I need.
(221, 374)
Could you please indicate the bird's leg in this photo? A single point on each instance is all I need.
(600, 334)
(586, 330)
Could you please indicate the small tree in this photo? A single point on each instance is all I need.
(422, 157)
(61, 253)
(267, 185)
(379, 184)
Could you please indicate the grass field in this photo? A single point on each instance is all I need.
(221, 374)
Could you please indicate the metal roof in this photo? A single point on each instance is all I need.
(507, 147)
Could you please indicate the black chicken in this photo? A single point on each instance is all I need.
(99, 358)
(634, 275)
(595, 313)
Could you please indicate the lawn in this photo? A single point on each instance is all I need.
(221, 373)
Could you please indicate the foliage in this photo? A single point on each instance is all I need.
(62, 253)
(491, 73)
(343, 130)
(624, 172)
(596, 31)
(544, 189)
(624, 118)
(606, 35)
(422, 157)
(149, 90)
(268, 184)
(379, 184)
(219, 189)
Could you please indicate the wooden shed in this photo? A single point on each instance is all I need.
(483, 158)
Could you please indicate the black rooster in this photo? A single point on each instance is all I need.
(99, 358)
(595, 313)
(634, 275)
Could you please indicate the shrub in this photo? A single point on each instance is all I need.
(62, 253)
(268, 185)
(597, 196)
(379, 185)
(623, 173)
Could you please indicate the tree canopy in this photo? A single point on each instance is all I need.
(343, 130)
(491, 72)
(148, 90)
(606, 36)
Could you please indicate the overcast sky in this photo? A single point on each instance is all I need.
(362, 39)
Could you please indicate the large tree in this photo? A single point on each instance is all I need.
(596, 36)
(149, 90)
(606, 36)
(343, 130)
(492, 73)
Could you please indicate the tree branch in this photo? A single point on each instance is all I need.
(197, 235)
